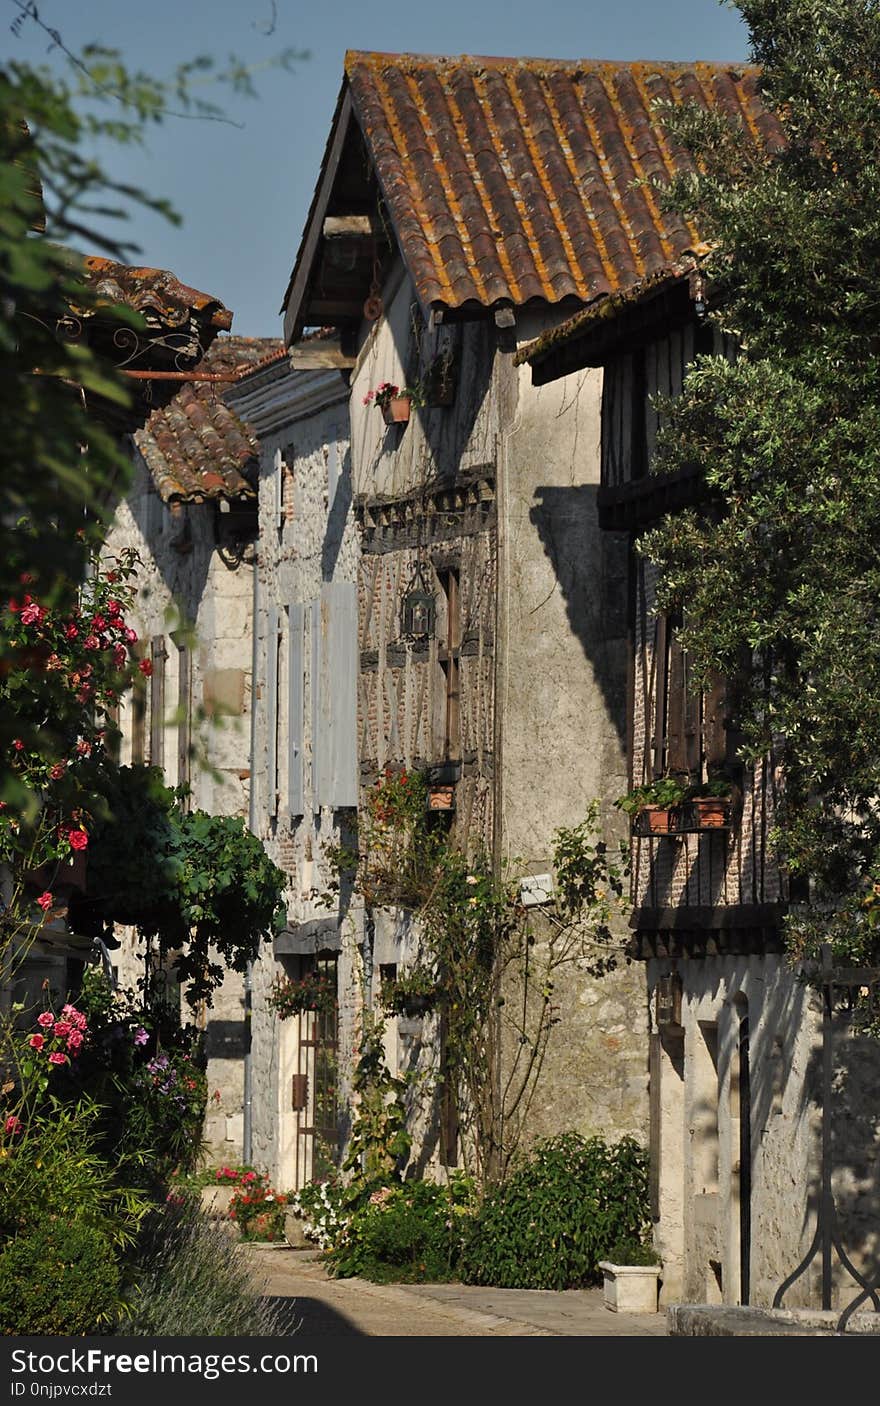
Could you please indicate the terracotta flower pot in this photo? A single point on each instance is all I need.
(661, 820)
(711, 812)
(396, 410)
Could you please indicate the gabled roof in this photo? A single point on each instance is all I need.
(196, 447)
(514, 180)
(156, 294)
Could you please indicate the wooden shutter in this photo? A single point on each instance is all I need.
(296, 660)
(157, 701)
(342, 668)
(316, 702)
(272, 711)
(184, 717)
(714, 728)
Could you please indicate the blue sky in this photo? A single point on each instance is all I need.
(244, 191)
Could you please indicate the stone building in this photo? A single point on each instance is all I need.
(191, 513)
(464, 208)
(304, 747)
(179, 324)
(736, 1035)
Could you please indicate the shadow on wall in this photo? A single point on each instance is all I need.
(337, 519)
(591, 570)
(182, 549)
(855, 1155)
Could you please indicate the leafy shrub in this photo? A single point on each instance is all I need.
(50, 1167)
(192, 1281)
(58, 1277)
(406, 1234)
(548, 1225)
(631, 1252)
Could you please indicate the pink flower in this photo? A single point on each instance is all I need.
(62, 1028)
(53, 663)
(146, 667)
(98, 623)
(70, 631)
(45, 901)
(18, 744)
(140, 1036)
(46, 1019)
(74, 1040)
(130, 635)
(78, 839)
(32, 614)
(36, 1042)
(120, 656)
(91, 642)
(83, 748)
(12, 1124)
(113, 607)
(57, 771)
(56, 1057)
(74, 1016)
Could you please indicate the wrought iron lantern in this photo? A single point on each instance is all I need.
(418, 608)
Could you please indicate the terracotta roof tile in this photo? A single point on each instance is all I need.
(154, 291)
(522, 179)
(196, 447)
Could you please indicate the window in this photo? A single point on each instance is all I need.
(449, 655)
(688, 733)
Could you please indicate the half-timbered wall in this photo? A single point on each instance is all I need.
(684, 734)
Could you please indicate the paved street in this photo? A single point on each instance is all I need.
(316, 1305)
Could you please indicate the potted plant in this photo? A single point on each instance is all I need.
(659, 801)
(630, 1278)
(394, 402)
(312, 992)
(710, 801)
(412, 993)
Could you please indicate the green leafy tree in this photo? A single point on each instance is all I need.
(780, 578)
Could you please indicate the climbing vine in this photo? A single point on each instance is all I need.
(492, 969)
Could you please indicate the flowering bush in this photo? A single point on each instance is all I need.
(409, 1232)
(67, 653)
(143, 1068)
(312, 992)
(39, 1055)
(321, 1206)
(257, 1209)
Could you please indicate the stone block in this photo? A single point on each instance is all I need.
(223, 691)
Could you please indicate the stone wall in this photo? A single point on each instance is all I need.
(183, 583)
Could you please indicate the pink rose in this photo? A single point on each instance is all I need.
(57, 1057)
(130, 635)
(45, 901)
(74, 1016)
(70, 631)
(83, 748)
(120, 655)
(32, 614)
(57, 771)
(36, 1042)
(12, 1125)
(91, 642)
(98, 623)
(46, 1019)
(113, 607)
(74, 1040)
(78, 839)
(62, 1028)
(18, 744)
(146, 667)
